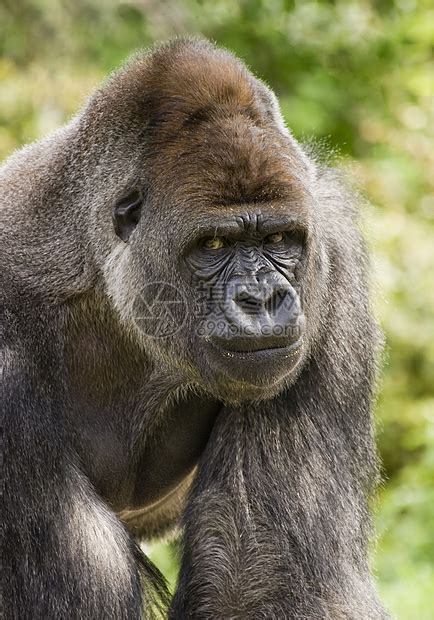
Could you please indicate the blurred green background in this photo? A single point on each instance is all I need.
(357, 77)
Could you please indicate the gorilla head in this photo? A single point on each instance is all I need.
(216, 232)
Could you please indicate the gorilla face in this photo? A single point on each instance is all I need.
(244, 276)
(230, 290)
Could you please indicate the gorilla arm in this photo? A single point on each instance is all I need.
(63, 549)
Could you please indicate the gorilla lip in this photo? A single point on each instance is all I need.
(262, 354)
(258, 369)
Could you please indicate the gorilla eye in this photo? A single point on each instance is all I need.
(214, 243)
(276, 237)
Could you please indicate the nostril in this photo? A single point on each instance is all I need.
(275, 300)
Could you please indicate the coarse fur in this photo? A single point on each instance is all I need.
(112, 434)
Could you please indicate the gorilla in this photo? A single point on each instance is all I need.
(187, 345)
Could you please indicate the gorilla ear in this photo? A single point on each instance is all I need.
(126, 214)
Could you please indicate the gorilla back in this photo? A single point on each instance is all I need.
(186, 341)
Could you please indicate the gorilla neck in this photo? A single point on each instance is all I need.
(138, 432)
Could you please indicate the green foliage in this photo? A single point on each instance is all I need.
(358, 77)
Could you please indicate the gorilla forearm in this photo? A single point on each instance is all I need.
(277, 523)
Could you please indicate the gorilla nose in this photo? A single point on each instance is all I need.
(259, 315)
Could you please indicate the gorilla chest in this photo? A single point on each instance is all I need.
(135, 458)
(135, 443)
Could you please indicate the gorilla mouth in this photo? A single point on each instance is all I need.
(278, 352)
(260, 368)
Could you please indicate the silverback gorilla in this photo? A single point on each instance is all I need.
(186, 340)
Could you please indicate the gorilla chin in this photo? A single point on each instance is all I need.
(257, 374)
